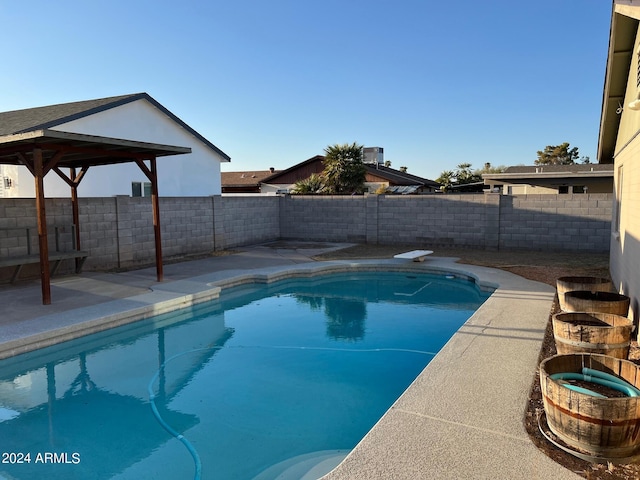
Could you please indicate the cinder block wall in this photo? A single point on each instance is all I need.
(19, 231)
(325, 218)
(491, 221)
(98, 229)
(245, 220)
(556, 222)
(15, 217)
(186, 225)
(439, 220)
(118, 231)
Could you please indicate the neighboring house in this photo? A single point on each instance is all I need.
(551, 179)
(378, 177)
(619, 146)
(135, 117)
(397, 181)
(244, 182)
(284, 180)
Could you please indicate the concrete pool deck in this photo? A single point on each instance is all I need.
(462, 417)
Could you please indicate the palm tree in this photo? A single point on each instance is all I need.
(446, 179)
(344, 171)
(312, 184)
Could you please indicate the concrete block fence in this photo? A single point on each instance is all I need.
(561, 222)
(118, 231)
(451, 220)
(327, 218)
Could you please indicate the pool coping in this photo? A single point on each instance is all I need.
(435, 427)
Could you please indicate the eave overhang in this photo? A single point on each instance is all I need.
(624, 25)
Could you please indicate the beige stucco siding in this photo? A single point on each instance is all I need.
(593, 186)
(625, 240)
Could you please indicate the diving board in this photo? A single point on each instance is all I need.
(415, 255)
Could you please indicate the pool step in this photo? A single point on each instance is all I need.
(309, 466)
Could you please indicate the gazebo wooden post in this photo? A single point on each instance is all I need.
(45, 275)
(156, 218)
(76, 213)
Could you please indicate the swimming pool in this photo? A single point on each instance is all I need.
(264, 381)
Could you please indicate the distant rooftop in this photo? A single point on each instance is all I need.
(253, 177)
(589, 170)
(576, 168)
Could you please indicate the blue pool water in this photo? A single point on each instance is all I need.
(263, 382)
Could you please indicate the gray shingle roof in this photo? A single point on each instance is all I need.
(399, 177)
(30, 119)
(19, 121)
(245, 178)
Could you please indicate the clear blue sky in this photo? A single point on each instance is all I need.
(272, 83)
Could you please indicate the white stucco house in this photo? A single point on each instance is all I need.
(136, 117)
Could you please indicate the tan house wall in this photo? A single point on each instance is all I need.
(515, 189)
(625, 238)
(575, 186)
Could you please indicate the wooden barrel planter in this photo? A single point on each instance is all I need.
(603, 302)
(589, 284)
(601, 427)
(603, 333)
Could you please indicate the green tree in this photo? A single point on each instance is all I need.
(488, 168)
(312, 184)
(344, 172)
(558, 155)
(446, 179)
(463, 175)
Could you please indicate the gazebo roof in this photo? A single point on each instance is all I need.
(80, 150)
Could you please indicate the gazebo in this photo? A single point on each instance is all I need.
(46, 150)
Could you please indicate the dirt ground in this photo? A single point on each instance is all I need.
(543, 267)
